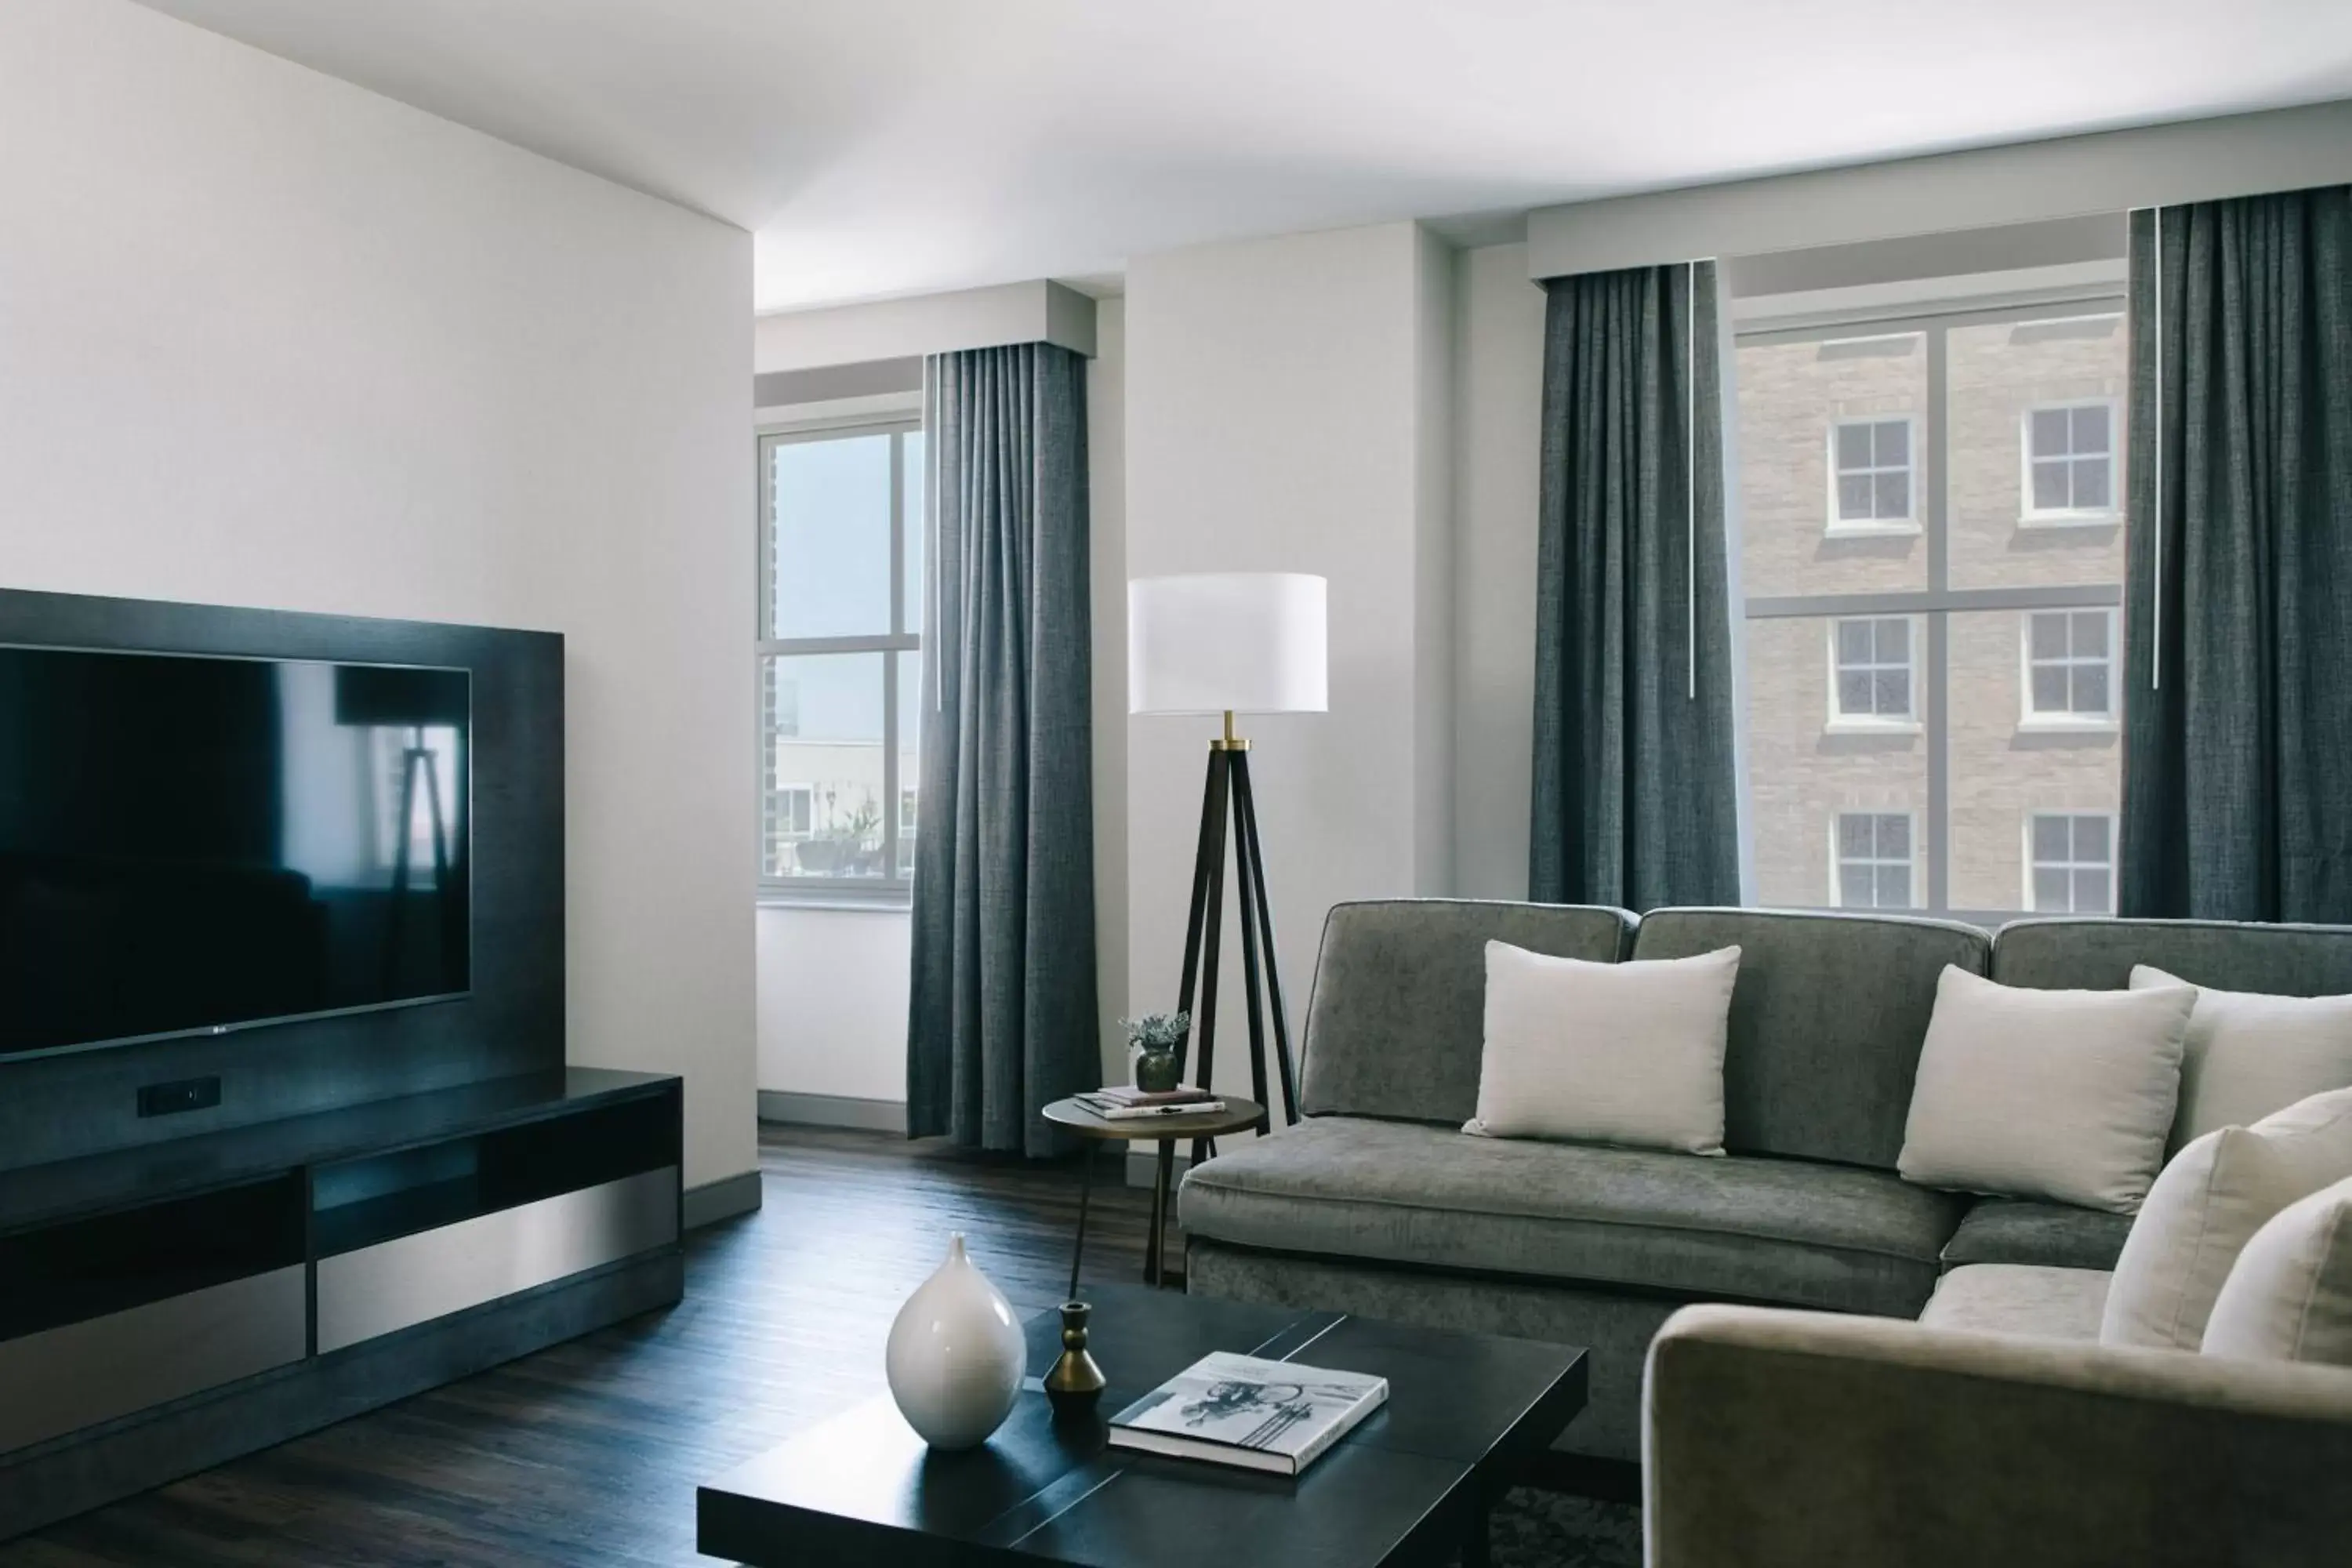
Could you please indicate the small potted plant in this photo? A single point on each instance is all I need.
(1157, 1040)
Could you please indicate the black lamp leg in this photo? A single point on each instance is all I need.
(1244, 886)
(1245, 819)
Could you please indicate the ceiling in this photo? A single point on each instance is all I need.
(882, 147)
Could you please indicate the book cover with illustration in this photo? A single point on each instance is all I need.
(1273, 1415)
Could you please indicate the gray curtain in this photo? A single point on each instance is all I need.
(2238, 714)
(1636, 799)
(1003, 1020)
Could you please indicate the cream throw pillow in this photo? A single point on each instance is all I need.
(2289, 1298)
(1605, 1053)
(2045, 1094)
(2247, 1055)
(2213, 1197)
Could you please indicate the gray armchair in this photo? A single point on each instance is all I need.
(1789, 1439)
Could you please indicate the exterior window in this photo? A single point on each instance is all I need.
(2069, 666)
(2071, 864)
(795, 810)
(1871, 477)
(1923, 676)
(1871, 674)
(2070, 463)
(838, 650)
(1873, 868)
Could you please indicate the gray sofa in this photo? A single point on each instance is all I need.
(1377, 1204)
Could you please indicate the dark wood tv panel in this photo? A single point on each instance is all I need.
(163, 1309)
(212, 1242)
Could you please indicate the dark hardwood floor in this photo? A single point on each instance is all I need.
(588, 1453)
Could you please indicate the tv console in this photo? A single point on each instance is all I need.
(169, 1305)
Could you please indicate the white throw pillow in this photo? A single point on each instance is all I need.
(2045, 1094)
(1605, 1053)
(2213, 1197)
(2290, 1296)
(2247, 1055)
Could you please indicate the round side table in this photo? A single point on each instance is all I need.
(1238, 1116)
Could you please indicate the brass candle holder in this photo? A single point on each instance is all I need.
(1076, 1382)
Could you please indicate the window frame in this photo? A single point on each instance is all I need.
(1844, 723)
(2031, 516)
(2068, 721)
(889, 890)
(1933, 321)
(1911, 863)
(2069, 865)
(1836, 526)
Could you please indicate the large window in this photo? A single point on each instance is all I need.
(840, 661)
(1971, 681)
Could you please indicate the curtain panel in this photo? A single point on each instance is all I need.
(1002, 1017)
(1635, 793)
(2237, 799)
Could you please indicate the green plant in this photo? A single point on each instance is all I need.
(1158, 1031)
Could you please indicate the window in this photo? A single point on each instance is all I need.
(1957, 674)
(2070, 666)
(2070, 463)
(2071, 864)
(1870, 674)
(795, 810)
(840, 665)
(1872, 869)
(1871, 474)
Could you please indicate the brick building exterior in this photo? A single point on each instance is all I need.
(1905, 625)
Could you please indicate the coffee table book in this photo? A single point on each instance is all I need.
(1271, 1416)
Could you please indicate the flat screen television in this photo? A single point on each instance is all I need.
(194, 843)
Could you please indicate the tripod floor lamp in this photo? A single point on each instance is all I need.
(1228, 643)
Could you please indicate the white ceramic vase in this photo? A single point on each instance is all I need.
(956, 1355)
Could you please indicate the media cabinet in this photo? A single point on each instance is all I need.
(166, 1307)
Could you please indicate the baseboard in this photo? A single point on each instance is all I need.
(832, 1110)
(723, 1199)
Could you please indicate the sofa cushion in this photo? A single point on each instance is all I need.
(2021, 1230)
(2247, 1056)
(1826, 1022)
(1629, 1054)
(2062, 1095)
(1783, 1231)
(2019, 1299)
(1398, 1013)
(2097, 954)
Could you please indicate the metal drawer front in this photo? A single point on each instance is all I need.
(79, 1374)
(414, 1279)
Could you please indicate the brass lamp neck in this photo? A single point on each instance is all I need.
(1231, 742)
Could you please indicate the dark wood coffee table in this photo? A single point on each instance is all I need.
(1411, 1486)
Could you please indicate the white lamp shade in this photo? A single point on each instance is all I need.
(1245, 642)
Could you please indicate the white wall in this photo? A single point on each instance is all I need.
(833, 1002)
(1276, 411)
(1499, 391)
(267, 339)
(2064, 176)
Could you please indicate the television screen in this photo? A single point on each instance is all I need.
(189, 844)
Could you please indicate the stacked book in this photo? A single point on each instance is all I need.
(1121, 1104)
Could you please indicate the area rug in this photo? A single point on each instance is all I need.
(1532, 1529)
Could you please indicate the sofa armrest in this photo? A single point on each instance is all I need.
(1785, 1439)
